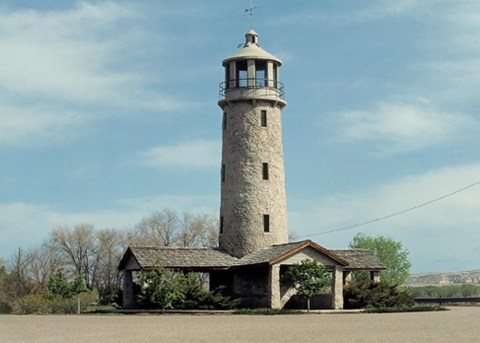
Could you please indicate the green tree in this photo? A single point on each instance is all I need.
(163, 288)
(390, 252)
(60, 287)
(309, 278)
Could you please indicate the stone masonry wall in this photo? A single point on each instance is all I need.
(245, 196)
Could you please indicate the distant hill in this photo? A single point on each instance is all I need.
(444, 279)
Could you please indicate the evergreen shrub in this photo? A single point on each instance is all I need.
(367, 294)
(168, 289)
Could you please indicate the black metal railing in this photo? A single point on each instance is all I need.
(453, 300)
(272, 87)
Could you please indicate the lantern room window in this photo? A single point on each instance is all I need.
(242, 74)
(260, 73)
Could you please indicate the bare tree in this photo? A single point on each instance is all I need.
(198, 231)
(94, 255)
(78, 249)
(17, 281)
(212, 225)
(166, 228)
(110, 247)
(158, 229)
(45, 261)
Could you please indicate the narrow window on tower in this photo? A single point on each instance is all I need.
(265, 171)
(224, 121)
(221, 224)
(223, 172)
(264, 118)
(266, 223)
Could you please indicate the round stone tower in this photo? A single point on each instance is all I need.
(253, 201)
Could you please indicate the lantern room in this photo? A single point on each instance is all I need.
(251, 73)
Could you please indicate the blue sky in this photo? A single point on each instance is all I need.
(108, 112)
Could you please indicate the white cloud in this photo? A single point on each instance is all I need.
(19, 224)
(373, 10)
(55, 63)
(180, 203)
(452, 63)
(61, 54)
(403, 127)
(380, 9)
(196, 154)
(20, 125)
(452, 80)
(444, 230)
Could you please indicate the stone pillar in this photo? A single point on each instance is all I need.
(337, 288)
(274, 286)
(127, 289)
(251, 73)
(269, 74)
(347, 277)
(375, 276)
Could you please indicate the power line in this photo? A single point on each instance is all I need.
(349, 227)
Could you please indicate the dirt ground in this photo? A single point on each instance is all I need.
(459, 324)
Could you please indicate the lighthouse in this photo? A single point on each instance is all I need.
(253, 236)
(253, 199)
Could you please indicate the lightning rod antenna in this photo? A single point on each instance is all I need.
(249, 12)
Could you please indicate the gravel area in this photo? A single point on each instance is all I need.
(459, 324)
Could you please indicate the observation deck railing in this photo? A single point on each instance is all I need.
(268, 87)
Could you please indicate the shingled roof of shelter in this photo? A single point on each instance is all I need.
(172, 257)
(359, 259)
(212, 258)
(278, 252)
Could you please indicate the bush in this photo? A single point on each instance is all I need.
(64, 306)
(5, 307)
(108, 295)
(197, 297)
(32, 304)
(266, 311)
(405, 309)
(366, 294)
(168, 289)
(444, 291)
(38, 304)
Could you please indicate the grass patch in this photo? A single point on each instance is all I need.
(404, 309)
(265, 311)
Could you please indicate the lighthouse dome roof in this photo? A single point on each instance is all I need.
(251, 50)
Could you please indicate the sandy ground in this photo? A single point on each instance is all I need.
(460, 324)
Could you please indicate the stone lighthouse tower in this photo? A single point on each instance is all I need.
(253, 200)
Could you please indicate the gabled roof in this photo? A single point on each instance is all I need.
(185, 258)
(359, 259)
(277, 253)
(211, 258)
